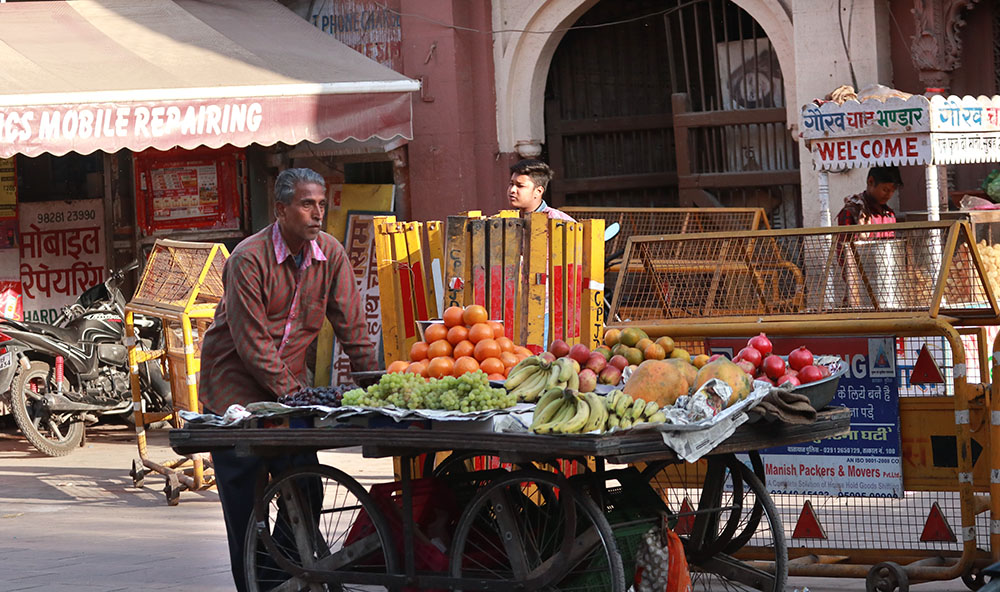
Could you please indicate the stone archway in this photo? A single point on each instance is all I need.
(522, 61)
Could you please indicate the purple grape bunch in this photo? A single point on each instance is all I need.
(325, 396)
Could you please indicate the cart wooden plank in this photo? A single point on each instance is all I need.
(618, 447)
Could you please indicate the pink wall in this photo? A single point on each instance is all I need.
(453, 160)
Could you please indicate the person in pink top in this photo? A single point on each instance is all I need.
(529, 178)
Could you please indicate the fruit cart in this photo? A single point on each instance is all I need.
(517, 528)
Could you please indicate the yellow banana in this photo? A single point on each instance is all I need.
(658, 417)
(609, 400)
(622, 403)
(547, 408)
(625, 422)
(553, 378)
(612, 421)
(550, 396)
(566, 408)
(531, 388)
(575, 423)
(638, 406)
(598, 413)
(574, 381)
(519, 374)
(565, 369)
(651, 408)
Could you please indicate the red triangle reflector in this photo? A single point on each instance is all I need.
(685, 523)
(925, 370)
(936, 528)
(808, 526)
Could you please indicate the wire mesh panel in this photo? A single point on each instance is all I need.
(180, 274)
(915, 267)
(647, 221)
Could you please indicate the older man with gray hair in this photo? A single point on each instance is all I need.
(279, 285)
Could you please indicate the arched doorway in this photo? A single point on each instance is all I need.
(647, 105)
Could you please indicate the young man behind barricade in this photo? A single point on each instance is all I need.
(279, 286)
(871, 206)
(529, 179)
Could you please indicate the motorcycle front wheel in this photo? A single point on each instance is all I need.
(53, 434)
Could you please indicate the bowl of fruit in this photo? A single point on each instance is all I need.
(816, 377)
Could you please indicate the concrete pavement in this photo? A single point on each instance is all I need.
(77, 523)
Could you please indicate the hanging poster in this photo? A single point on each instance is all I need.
(62, 254)
(181, 192)
(370, 27)
(11, 306)
(360, 247)
(8, 188)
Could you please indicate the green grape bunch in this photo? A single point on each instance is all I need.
(467, 393)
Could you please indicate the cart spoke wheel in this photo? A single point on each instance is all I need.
(316, 528)
(887, 577)
(760, 560)
(532, 530)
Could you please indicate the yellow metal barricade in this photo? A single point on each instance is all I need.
(923, 284)
(180, 286)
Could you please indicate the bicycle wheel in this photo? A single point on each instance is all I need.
(761, 564)
(316, 526)
(706, 500)
(533, 530)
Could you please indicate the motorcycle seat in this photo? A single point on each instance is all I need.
(67, 335)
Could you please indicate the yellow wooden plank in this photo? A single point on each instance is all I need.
(494, 267)
(401, 266)
(479, 260)
(415, 248)
(592, 303)
(557, 280)
(577, 281)
(388, 289)
(513, 238)
(509, 214)
(533, 302)
(456, 261)
(435, 272)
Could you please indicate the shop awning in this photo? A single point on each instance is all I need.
(90, 75)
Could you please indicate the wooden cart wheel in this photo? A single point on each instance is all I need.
(762, 564)
(317, 524)
(532, 530)
(973, 578)
(463, 462)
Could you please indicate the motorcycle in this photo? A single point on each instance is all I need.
(61, 377)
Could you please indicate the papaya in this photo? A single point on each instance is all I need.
(729, 373)
(688, 371)
(656, 380)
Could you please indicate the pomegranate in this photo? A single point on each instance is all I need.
(809, 374)
(746, 366)
(714, 357)
(774, 366)
(790, 381)
(751, 355)
(799, 358)
(825, 371)
(761, 343)
(765, 379)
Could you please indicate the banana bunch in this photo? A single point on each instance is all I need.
(534, 375)
(567, 411)
(624, 412)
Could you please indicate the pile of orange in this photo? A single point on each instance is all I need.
(465, 341)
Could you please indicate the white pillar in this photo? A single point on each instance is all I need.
(823, 183)
(933, 192)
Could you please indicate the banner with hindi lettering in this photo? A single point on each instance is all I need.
(8, 188)
(62, 254)
(360, 246)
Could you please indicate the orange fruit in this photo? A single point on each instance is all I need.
(439, 348)
(475, 313)
(435, 332)
(508, 359)
(418, 351)
(491, 366)
(417, 368)
(397, 366)
(479, 332)
(522, 351)
(463, 348)
(452, 316)
(465, 364)
(440, 367)
(654, 351)
(487, 348)
(505, 344)
(497, 327)
(457, 333)
(496, 377)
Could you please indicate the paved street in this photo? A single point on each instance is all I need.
(76, 523)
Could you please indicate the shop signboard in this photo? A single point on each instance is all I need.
(871, 117)
(372, 28)
(853, 152)
(360, 247)
(62, 254)
(863, 463)
(8, 190)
